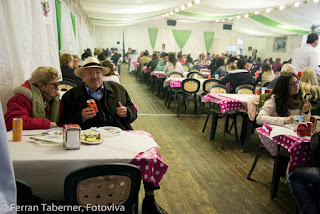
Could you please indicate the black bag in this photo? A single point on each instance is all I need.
(315, 148)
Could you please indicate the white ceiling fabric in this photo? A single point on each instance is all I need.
(130, 12)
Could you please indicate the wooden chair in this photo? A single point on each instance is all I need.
(190, 88)
(112, 184)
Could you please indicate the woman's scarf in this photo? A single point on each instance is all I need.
(39, 104)
(293, 103)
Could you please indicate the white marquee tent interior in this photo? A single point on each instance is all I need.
(34, 32)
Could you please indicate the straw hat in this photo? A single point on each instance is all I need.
(90, 62)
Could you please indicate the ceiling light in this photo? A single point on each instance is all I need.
(167, 14)
(268, 10)
(171, 13)
(297, 4)
(316, 1)
(176, 10)
(196, 1)
(281, 7)
(189, 4)
(223, 20)
(230, 18)
(256, 12)
(246, 15)
(238, 17)
(217, 20)
(183, 7)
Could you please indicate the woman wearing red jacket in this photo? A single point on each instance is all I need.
(36, 101)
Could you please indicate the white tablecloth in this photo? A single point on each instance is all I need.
(44, 166)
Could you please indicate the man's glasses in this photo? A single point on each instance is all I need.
(295, 83)
(54, 84)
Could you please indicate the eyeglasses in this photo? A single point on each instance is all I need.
(54, 84)
(295, 83)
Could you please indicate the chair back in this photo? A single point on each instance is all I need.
(175, 74)
(266, 84)
(195, 70)
(66, 84)
(218, 89)
(250, 84)
(117, 184)
(207, 83)
(244, 89)
(190, 86)
(185, 68)
(195, 75)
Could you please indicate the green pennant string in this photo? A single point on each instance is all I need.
(208, 38)
(153, 32)
(181, 37)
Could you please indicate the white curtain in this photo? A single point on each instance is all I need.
(107, 37)
(27, 42)
(68, 41)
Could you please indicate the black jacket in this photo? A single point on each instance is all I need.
(236, 78)
(68, 73)
(75, 100)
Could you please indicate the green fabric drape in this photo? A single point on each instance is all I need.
(73, 19)
(208, 38)
(181, 37)
(266, 21)
(153, 32)
(58, 15)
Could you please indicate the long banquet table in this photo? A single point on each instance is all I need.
(44, 166)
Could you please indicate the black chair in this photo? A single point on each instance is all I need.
(266, 84)
(24, 194)
(216, 114)
(195, 75)
(250, 84)
(244, 89)
(190, 88)
(112, 184)
(169, 91)
(205, 87)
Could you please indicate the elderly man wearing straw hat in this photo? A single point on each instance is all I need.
(115, 108)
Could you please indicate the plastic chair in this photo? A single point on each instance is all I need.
(185, 68)
(112, 184)
(170, 91)
(205, 87)
(250, 84)
(190, 88)
(66, 85)
(244, 89)
(195, 75)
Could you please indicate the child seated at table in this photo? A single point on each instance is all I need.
(284, 102)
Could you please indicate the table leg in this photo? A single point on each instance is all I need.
(215, 117)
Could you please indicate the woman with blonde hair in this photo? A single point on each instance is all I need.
(309, 84)
(36, 101)
(267, 74)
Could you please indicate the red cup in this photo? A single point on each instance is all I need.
(267, 91)
(302, 129)
(309, 129)
(256, 91)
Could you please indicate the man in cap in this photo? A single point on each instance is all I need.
(115, 108)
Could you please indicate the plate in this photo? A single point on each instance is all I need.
(110, 130)
(92, 143)
(54, 131)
